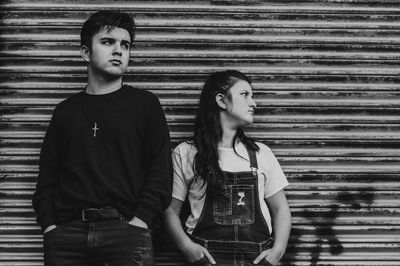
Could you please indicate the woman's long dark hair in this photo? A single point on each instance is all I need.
(208, 131)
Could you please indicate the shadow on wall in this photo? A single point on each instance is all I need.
(323, 222)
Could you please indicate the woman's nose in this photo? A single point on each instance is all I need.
(252, 103)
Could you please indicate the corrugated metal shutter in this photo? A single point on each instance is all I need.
(326, 78)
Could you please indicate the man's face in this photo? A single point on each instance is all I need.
(109, 54)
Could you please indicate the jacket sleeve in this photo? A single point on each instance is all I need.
(43, 198)
(156, 195)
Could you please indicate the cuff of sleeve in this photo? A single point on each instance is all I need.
(178, 197)
(45, 222)
(146, 215)
(276, 190)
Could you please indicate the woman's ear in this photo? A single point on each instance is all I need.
(85, 53)
(220, 99)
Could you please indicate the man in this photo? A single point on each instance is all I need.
(105, 160)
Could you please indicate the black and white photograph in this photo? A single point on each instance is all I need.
(199, 133)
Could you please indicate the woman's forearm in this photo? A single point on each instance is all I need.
(175, 230)
(281, 222)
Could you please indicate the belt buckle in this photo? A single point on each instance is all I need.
(83, 213)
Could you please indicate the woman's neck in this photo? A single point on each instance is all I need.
(228, 135)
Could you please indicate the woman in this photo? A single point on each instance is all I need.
(231, 182)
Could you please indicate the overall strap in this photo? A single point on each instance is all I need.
(253, 159)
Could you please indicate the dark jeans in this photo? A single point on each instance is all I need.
(230, 259)
(101, 243)
(237, 253)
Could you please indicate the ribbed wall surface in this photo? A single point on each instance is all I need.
(326, 79)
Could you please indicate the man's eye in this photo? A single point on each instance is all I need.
(107, 42)
(125, 46)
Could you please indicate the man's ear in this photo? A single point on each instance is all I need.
(220, 99)
(85, 53)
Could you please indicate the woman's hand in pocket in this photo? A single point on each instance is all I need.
(194, 252)
(272, 256)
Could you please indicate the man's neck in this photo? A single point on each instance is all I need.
(98, 86)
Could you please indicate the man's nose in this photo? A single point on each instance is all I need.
(117, 49)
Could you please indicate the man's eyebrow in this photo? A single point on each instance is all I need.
(107, 38)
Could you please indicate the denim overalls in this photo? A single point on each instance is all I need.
(232, 226)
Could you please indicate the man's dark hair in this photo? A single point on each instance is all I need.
(108, 19)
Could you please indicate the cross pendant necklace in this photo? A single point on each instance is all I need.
(102, 117)
(95, 128)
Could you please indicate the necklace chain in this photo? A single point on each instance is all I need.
(102, 116)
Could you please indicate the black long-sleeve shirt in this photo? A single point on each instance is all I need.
(126, 166)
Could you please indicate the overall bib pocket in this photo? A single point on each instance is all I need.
(235, 205)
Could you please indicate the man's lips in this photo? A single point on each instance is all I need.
(116, 61)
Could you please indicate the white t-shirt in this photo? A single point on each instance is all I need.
(271, 178)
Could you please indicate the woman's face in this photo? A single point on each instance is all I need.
(240, 104)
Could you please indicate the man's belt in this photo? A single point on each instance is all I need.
(93, 214)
